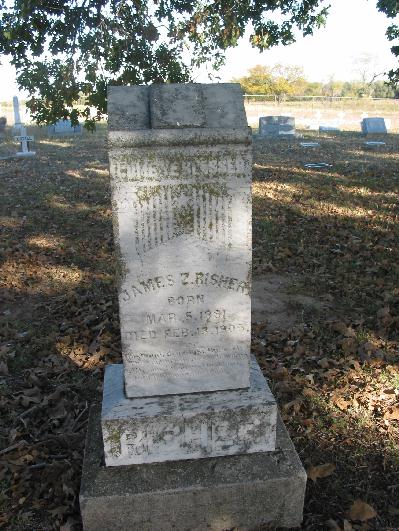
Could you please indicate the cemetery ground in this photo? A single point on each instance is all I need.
(326, 320)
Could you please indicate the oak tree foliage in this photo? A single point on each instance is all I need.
(391, 10)
(63, 49)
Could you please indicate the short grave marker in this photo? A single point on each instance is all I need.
(329, 129)
(309, 144)
(374, 126)
(3, 123)
(373, 145)
(25, 141)
(318, 165)
(275, 126)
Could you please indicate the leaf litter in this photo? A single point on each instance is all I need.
(333, 369)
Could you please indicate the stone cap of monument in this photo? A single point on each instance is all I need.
(182, 114)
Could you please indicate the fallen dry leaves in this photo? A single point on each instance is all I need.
(334, 372)
(361, 511)
(392, 413)
(58, 326)
(320, 471)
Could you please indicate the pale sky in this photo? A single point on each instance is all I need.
(354, 27)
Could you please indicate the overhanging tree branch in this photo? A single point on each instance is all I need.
(63, 49)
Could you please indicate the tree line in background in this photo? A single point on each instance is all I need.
(281, 81)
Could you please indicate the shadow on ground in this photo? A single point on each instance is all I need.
(325, 266)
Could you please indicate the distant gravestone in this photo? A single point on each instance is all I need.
(25, 141)
(309, 144)
(275, 126)
(329, 129)
(3, 123)
(317, 165)
(17, 116)
(373, 145)
(64, 128)
(374, 126)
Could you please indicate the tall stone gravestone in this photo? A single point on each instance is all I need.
(188, 422)
(276, 126)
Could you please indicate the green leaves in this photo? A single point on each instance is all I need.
(68, 50)
(391, 9)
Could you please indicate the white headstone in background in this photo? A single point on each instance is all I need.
(17, 116)
(275, 126)
(64, 128)
(329, 128)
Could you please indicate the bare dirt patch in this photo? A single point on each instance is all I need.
(278, 307)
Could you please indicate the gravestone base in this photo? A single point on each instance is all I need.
(220, 493)
(186, 426)
(25, 153)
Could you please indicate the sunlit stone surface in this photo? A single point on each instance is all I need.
(180, 160)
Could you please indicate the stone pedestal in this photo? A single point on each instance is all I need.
(215, 494)
(189, 426)
(188, 422)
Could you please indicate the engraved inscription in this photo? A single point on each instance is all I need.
(135, 166)
(146, 334)
(183, 219)
(188, 279)
(207, 437)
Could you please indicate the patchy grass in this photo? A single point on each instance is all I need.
(335, 373)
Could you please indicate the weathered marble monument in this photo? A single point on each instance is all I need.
(189, 435)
